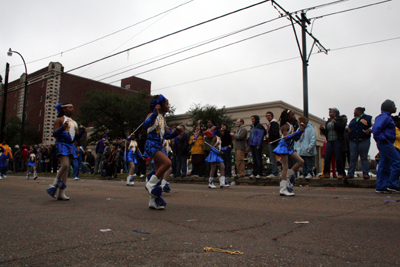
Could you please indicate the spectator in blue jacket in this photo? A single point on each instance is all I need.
(360, 140)
(384, 130)
(305, 147)
(257, 132)
(3, 162)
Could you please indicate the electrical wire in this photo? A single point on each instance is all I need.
(351, 9)
(105, 36)
(206, 52)
(193, 47)
(168, 35)
(271, 63)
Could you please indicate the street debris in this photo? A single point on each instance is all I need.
(301, 222)
(105, 230)
(139, 232)
(207, 249)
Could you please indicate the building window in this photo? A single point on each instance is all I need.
(40, 112)
(42, 83)
(15, 93)
(128, 86)
(41, 97)
(39, 127)
(15, 106)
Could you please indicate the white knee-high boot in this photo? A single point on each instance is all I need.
(211, 183)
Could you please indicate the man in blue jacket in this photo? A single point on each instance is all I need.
(255, 145)
(384, 131)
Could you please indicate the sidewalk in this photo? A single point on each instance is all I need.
(315, 182)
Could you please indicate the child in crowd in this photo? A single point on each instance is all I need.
(76, 162)
(285, 151)
(214, 158)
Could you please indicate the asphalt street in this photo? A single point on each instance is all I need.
(107, 223)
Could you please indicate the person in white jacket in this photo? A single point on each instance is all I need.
(305, 147)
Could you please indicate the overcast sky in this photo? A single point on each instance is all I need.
(361, 68)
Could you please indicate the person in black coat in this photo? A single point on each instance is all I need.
(182, 153)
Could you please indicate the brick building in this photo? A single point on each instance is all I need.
(49, 86)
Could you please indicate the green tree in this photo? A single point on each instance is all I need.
(12, 133)
(113, 113)
(201, 114)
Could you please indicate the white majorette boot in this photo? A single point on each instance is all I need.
(284, 189)
(129, 180)
(227, 182)
(27, 176)
(211, 183)
(165, 186)
(35, 176)
(222, 182)
(153, 186)
(290, 176)
(61, 195)
(154, 205)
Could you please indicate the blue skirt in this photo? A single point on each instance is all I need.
(283, 148)
(214, 158)
(151, 147)
(31, 164)
(65, 149)
(131, 157)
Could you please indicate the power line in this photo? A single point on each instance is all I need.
(105, 36)
(271, 63)
(179, 51)
(351, 9)
(193, 47)
(206, 52)
(170, 34)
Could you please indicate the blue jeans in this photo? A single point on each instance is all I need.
(359, 148)
(5, 168)
(257, 160)
(226, 156)
(334, 147)
(181, 165)
(389, 166)
(308, 165)
(272, 158)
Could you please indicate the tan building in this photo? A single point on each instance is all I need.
(246, 111)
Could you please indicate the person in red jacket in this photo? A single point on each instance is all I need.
(24, 156)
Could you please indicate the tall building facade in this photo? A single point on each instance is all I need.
(49, 86)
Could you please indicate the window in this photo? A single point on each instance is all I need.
(41, 97)
(128, 86)
(16, 93)
(42, 83)
(40, 112)
(39, 127)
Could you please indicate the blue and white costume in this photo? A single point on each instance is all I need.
(132, 152)
(214, 156)
(65, 146)
(155, 125)
(284, 145)
(31, 164)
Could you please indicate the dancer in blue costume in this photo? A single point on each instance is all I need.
(285, 151)
(133, 152)
(214, 158)
(32, 163)
(65, 132)
(157, 130)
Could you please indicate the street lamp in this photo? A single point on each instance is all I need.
(9, 53)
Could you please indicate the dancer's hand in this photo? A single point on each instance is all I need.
(65, 125)
(82, 128)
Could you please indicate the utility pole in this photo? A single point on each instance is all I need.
(303, 21)
(3, 114)
(304, 59)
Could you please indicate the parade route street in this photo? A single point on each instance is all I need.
(346, 226)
